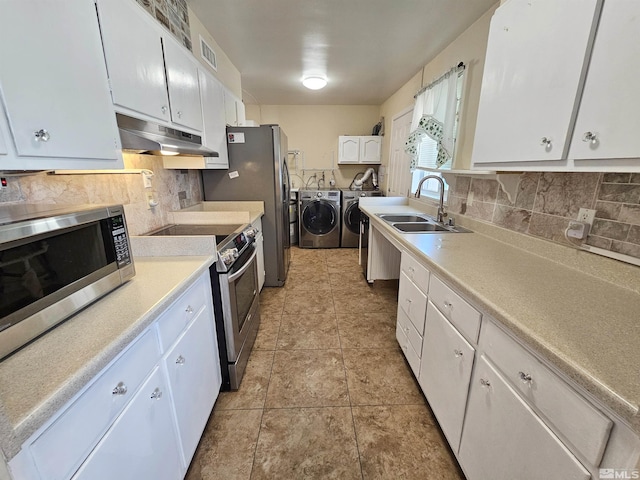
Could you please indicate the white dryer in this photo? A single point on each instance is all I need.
(319, 220)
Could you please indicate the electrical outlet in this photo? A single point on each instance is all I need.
(151, 201)
(586, 215)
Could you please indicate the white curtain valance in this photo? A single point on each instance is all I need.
(434, 115)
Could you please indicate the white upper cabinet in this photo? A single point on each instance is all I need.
(609, 107)
(234, 109)
(533, 74)
(133, 50)
(54, 87)
(359, 149)
(213, 114)
(182, 80)
(138, 53)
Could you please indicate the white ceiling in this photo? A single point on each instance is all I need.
(367, 49)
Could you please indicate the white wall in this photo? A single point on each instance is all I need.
(314, 130)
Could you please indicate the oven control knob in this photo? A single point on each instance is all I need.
(229, 255)
(363, 194)
(251, 232)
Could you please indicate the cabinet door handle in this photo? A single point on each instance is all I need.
(120, 389)
(457, 353)
(189, 309)
(42, 135)
(485, 383)
(525, 377)
(590, 137)
(163, 108)
(448, 304)
(179, 114)
(156, 394)
(546, 142)
(180, 360)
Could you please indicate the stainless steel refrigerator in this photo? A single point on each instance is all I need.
(258, 171)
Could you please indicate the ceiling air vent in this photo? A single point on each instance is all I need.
(208, 54)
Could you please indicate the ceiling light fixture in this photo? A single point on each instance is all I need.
(314, 83)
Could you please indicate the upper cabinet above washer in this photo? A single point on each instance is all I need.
(53, 84)
(558, 91)
(138, 52)
(359, 149)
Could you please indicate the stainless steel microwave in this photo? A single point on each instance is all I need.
(54, 261)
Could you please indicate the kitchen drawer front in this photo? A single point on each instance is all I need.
(465, 318)
(176, 318)
(403, 327)
(415, 272)
(68, 441)
(413, 302)
(578, 421)
(415, 339)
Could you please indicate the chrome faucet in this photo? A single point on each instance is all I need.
(441, 212)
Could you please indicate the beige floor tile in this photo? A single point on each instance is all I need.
(367, 330)
(347, 278)
(301, 254)
(343, 260)
(307, 378)
(364, 300)
(254, 384)
(380, 377)
(304, 280)
(402, 442)
(308, 332)
(309, 302)
(312, 443)
(312, 267)
(267, 332)
(272, 300)
(227, 447)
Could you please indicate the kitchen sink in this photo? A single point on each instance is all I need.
(404, 218)
(419, 227)
(419, 223)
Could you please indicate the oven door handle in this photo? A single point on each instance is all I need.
(245, 267)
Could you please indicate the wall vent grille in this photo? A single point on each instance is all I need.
(208, 54)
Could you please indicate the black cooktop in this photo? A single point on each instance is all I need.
(219, 231)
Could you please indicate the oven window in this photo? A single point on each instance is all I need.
(245, 287)
(32, 271)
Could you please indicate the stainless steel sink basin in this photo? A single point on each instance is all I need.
(418, 223)
(403, 218)
(419, 227)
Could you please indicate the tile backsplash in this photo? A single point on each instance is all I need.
(173, 189)
(545, 202)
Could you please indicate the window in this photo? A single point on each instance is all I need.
(428, 148)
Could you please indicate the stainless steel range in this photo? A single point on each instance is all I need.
(234, 280)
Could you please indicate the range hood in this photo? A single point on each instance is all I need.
(151, 138)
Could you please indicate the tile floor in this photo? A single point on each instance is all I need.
(327, 393)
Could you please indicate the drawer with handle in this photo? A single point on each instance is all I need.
(415, 272)
(176, 318)
(410, 342)
(462, 315)
(570, 415)
(413, 302)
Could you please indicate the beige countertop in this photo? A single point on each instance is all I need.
(219, 213)
(587, 327)
(38, 380)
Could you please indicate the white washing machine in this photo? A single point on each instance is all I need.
(319, 218)
(351, 215)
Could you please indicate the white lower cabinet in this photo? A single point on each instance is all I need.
(445, 373)
(504, 439)
(193, 369)
(143, 415)
(142, 443)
